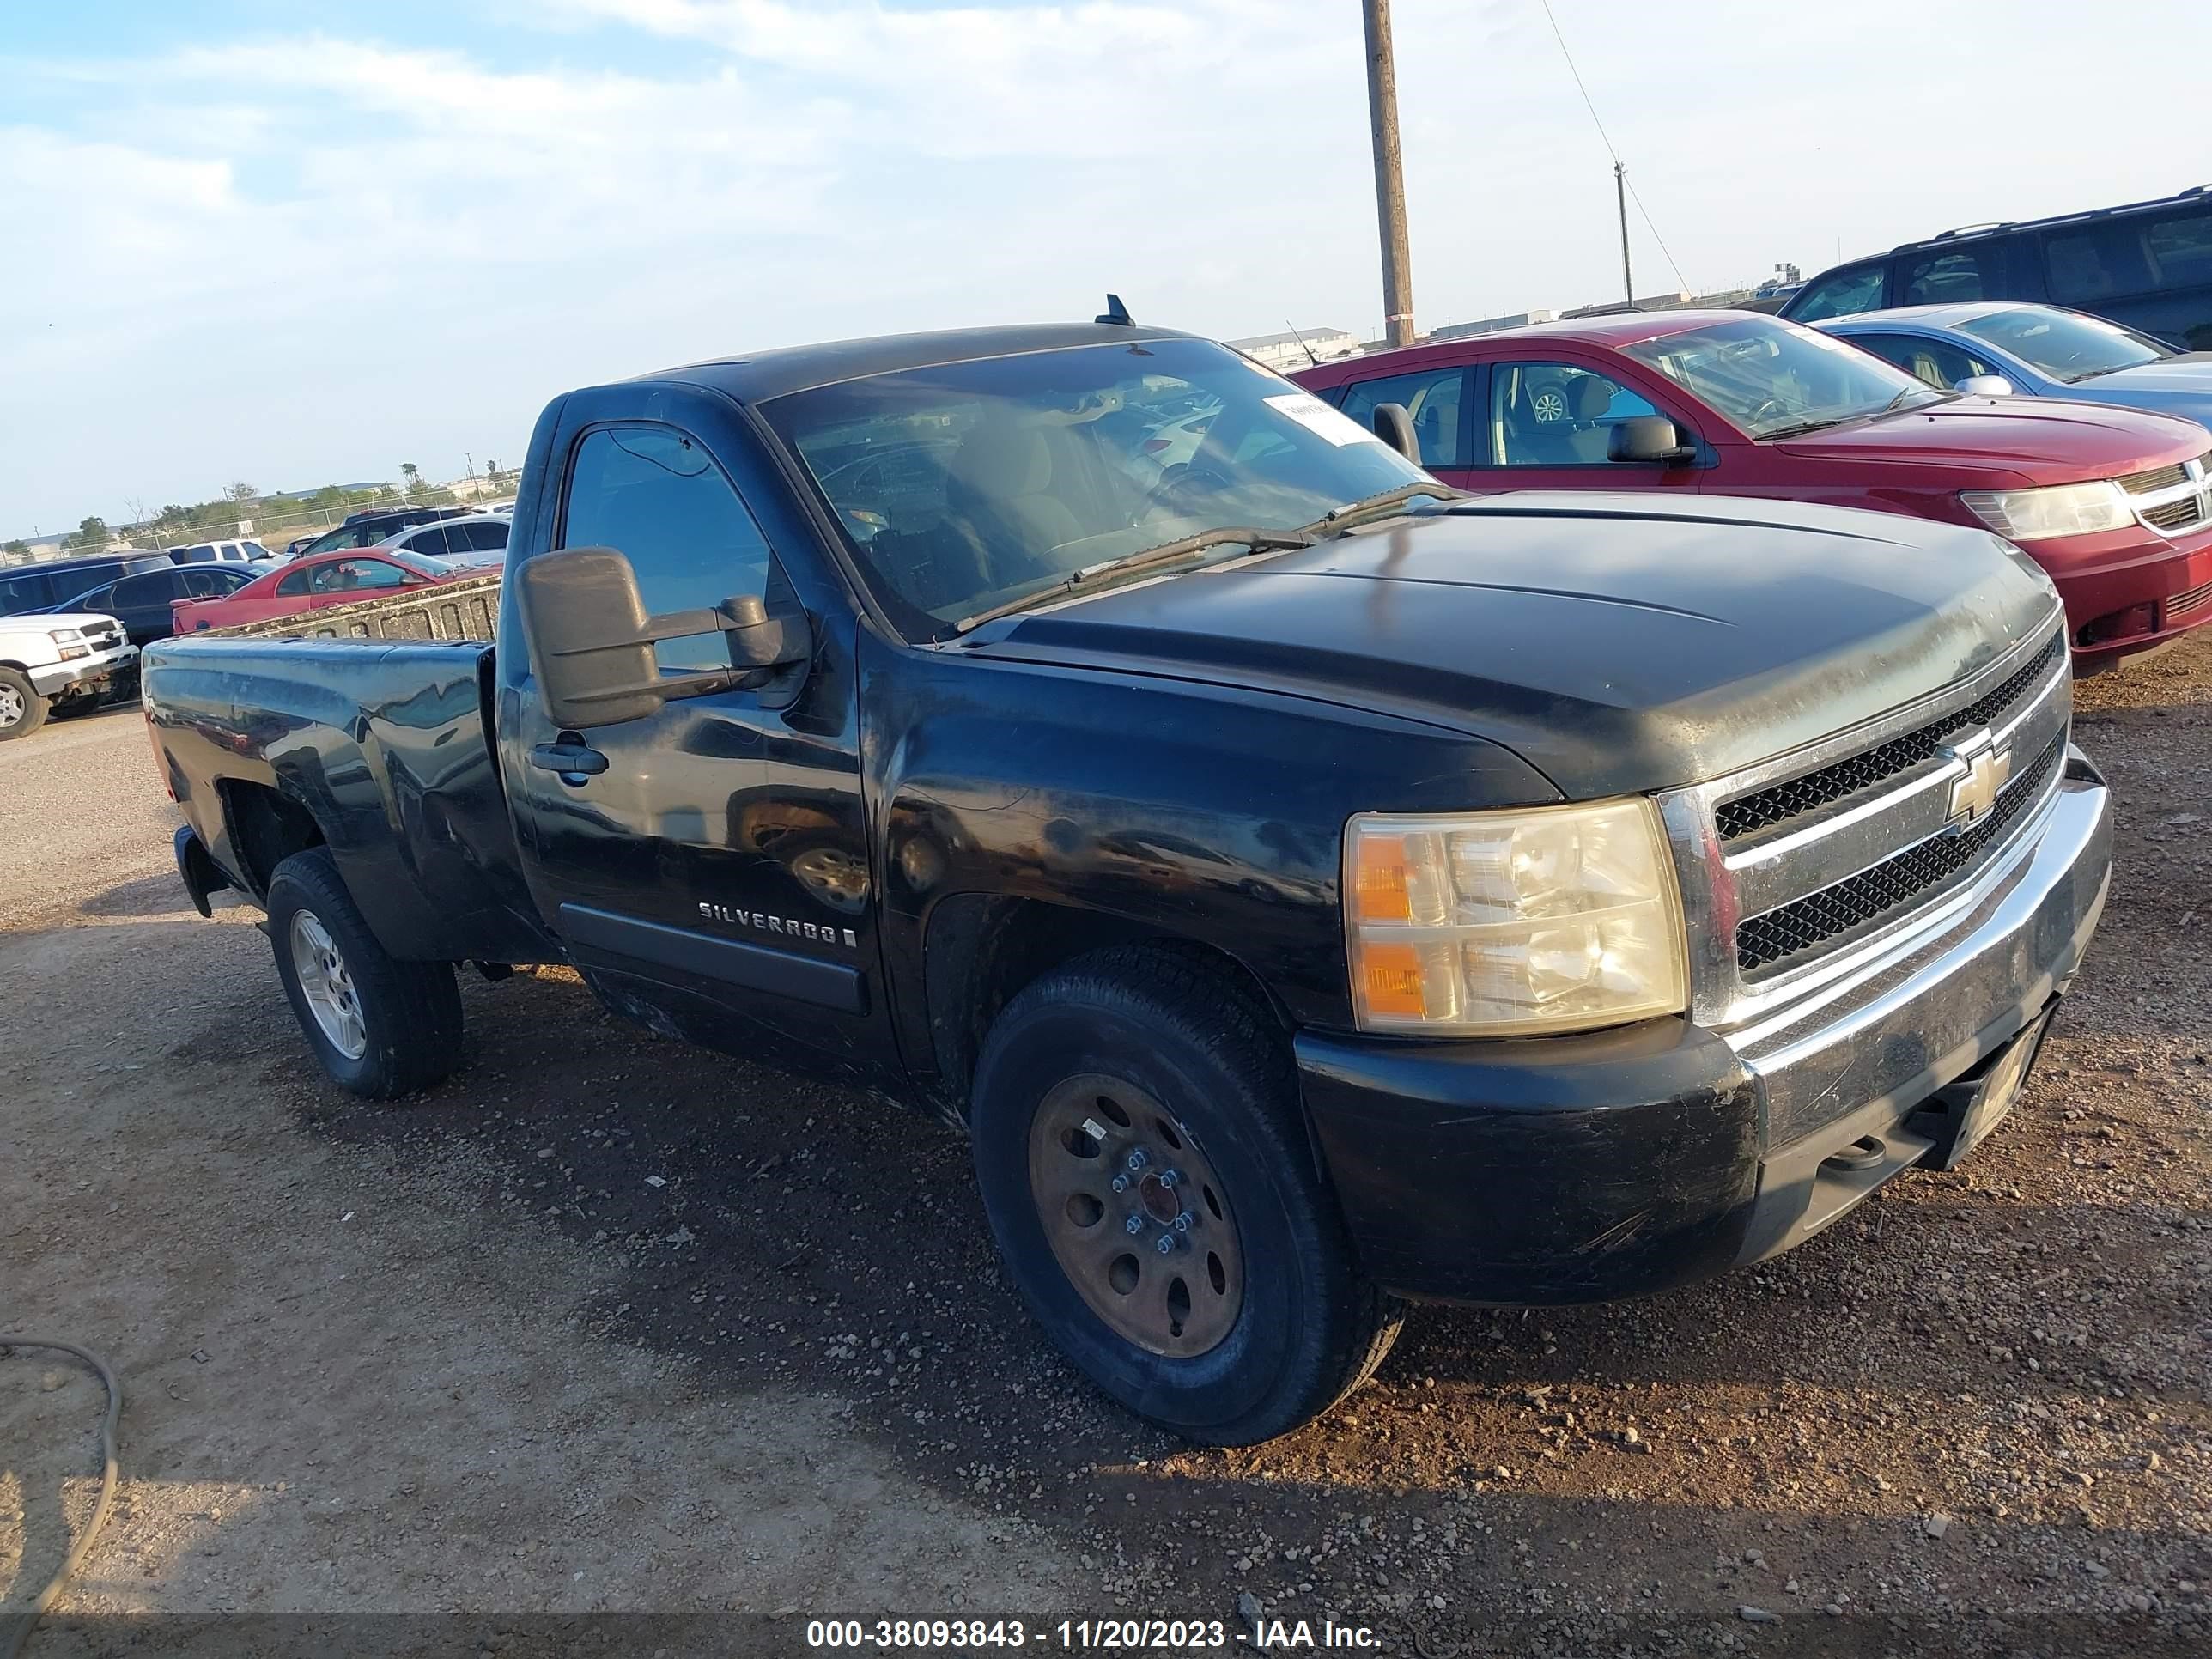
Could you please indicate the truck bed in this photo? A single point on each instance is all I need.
(380, 744)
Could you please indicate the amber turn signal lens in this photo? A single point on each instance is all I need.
(1383, 895)
(1392, 973)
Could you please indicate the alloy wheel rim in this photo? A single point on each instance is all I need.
(12, 706)
(1138, 1217)
(327, 984)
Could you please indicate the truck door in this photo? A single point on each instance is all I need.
(707, 865)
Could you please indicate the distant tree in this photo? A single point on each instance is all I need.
(241, 492)
(17, 549)
(89, 532)
(491, 471)
(413, 474)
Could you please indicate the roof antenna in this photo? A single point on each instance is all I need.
(1116, 312)
(1301, 339)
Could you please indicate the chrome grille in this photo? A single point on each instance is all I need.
(2182, 604)
(1797, 870)
(1767, 943)
(2158, 477)
(1747, 815)
(2171, 499)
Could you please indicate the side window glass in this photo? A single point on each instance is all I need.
(1840, 296)
(1938, 362)
(1555, 415)
(1935, 279)
(23, 594)
(430, 540)
(137, 591)
(654, 496)
(2181, 250)
(1435, 397)
(2096, 262)
(483, 536)
(293, 583)
(203, 585)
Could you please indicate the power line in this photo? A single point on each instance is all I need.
(1607, 139)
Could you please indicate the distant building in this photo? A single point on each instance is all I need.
(1288, 351)
(1494, 324)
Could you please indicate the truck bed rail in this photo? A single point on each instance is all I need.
(463, 609)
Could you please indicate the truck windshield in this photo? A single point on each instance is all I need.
(2064, 344)
(1772, 379)
(965, 486)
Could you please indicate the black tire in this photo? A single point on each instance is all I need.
(1309, 1330)
(409, 1012)
(22, 710)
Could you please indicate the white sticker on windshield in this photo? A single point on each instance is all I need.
(1316, 416)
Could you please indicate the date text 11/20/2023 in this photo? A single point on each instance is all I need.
(1086, 1634)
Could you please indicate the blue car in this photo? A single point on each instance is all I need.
(2038, 351)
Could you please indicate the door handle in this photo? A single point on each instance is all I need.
(570, 757)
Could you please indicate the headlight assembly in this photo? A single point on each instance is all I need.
(1520, 923)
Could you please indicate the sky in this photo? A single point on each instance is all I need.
(295, 243)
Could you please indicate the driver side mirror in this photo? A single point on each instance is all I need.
(1984, 386)
(592, 639)
(1648, 440)
(1395, 427)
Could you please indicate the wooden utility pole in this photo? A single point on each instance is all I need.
(1620, 197)
(1389, 176)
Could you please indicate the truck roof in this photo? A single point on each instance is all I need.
(757, 376)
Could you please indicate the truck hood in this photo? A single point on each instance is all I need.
(2052, 440)
(1617, 647)
(44, 622)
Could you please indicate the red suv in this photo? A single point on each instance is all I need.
(2116, 504)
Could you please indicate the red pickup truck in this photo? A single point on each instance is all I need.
(2115, 504)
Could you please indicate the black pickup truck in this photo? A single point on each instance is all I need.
(1307, 887)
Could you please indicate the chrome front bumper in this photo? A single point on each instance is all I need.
(59, 676)
(1850, 1061)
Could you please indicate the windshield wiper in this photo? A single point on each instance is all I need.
(1260, 541)
(1378, 507)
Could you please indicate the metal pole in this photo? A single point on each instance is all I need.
(1389, 176)
(1620, 195)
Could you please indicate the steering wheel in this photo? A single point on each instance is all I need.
(1771, 406)
(1174, 480)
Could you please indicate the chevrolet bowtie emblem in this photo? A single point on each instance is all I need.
(1987, 769)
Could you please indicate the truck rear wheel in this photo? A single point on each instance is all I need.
(381, 1027)
(22, 710)
(1142, 1160)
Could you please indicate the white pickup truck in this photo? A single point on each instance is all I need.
(63, 662)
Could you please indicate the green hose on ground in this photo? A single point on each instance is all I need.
(12, 1645)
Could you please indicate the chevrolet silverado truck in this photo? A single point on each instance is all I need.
(1307, 888)
(57, 664)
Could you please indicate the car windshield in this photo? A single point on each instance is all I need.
(2064, 344)
(1771, 378)
(966, 486)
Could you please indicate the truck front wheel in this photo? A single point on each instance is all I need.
(1138, 1142)
(381, 1027)
(22, 710)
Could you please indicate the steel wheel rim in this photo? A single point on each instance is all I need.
(1137, 1217)
(327, 984)
(1550, 406)
(12, 706)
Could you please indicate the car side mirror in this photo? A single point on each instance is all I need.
(1984, 386)
(1395, 427)
(591, 639)
(1647, 440)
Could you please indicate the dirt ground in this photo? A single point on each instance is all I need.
(604, 1325)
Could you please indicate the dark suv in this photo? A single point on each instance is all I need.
(2148, 264)
(41, 586)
